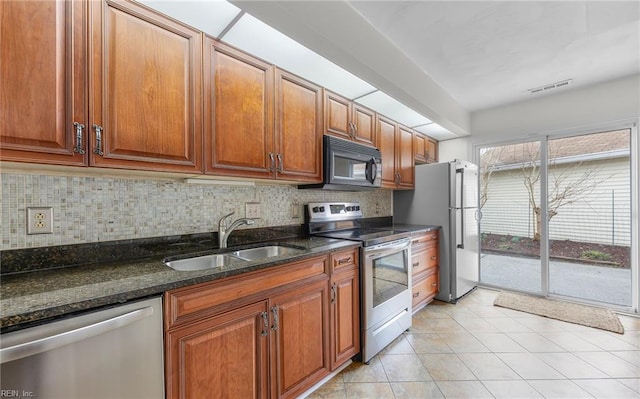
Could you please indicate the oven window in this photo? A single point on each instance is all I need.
(390, 277)
(347, 168)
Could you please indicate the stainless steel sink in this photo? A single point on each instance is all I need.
(265, 252)
(231, 258)
(204, 262)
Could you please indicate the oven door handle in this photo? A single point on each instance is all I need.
(378, 250)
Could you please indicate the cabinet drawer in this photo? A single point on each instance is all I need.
(424, 290)
(344, 260)
(424, 259)
(190, 303)
(430, 238)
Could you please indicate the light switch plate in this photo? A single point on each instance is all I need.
(295, 210)
(253, 210)
(39, 220)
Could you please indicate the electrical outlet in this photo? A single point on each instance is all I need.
(40, 220)
(295, 210)
(252, 210)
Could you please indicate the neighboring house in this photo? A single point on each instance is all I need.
(592, 171)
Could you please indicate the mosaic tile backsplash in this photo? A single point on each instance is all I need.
(94, 209)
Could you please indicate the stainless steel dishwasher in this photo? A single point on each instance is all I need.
(112, 353)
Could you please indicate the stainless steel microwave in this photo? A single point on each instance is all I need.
(349, 166)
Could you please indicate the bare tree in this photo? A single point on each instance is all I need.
(563, 189)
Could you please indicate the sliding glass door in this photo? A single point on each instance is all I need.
(509, 237)
(556, 217)
(589, 213)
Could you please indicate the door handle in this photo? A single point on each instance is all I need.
(98, 149)
(78, 148)
(274, 311)
(279, 164)
(68, 337)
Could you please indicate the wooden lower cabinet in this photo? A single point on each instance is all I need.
(425, 272)
(273, 333)
(345, 307)
(223, 356)
(300, 339)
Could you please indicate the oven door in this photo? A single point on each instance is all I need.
(386, 281)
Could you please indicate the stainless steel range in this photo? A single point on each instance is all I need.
(385, 271)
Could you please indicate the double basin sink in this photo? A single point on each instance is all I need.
(231, 258)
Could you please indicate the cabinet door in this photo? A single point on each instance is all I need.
(432, 150)
(386, 132)
(299, 128)
(364, 121)
(146, 90)
(238, 105)
(345, 317)
(224, 356)
(300, 342)
(404, 158)
(337, 111)
(420, 148)
(43, 72)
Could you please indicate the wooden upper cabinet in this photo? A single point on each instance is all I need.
(349, 120)
(364, 121)
(432, 150)
(238, 102)
(404, 158)
(425, 149)
(420, 148)
(386, 132)
(396, 145)
(298, 129)
(145, 92)
(337, 112)
(43, 73)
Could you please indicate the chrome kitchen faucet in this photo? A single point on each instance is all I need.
(224, 230)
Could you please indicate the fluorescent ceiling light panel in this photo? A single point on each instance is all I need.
(259, 39)
(435, 131)
(392, 108)
(210, 16)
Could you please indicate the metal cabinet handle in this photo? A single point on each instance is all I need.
(78, 148)
(344, 260)
(333, 293)
(417, 294)
(273, 162)
(98, 149)
(68, 337)
(265, 324)
(434, 284)
(434, 257)
(416, 264)
(274, 310)
(279, 164)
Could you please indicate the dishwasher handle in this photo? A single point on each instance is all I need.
(35, 347)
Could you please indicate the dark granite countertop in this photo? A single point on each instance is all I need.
(32, 297)
(415, 228)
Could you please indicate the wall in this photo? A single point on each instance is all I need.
(455, 149)
(593, 105)
(90, 209)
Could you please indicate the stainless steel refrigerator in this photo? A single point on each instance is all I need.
(446, 194)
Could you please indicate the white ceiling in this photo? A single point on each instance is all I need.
(445, 59)
(488, 53)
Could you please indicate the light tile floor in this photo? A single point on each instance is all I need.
(476, 350)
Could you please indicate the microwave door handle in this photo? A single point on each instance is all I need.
(372, 170)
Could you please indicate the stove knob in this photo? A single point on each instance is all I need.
(322, 209)
(349, 209)
(357, 208)
(316, 209)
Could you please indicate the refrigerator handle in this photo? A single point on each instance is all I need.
(461, 190)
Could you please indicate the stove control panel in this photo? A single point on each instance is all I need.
(333, 211)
